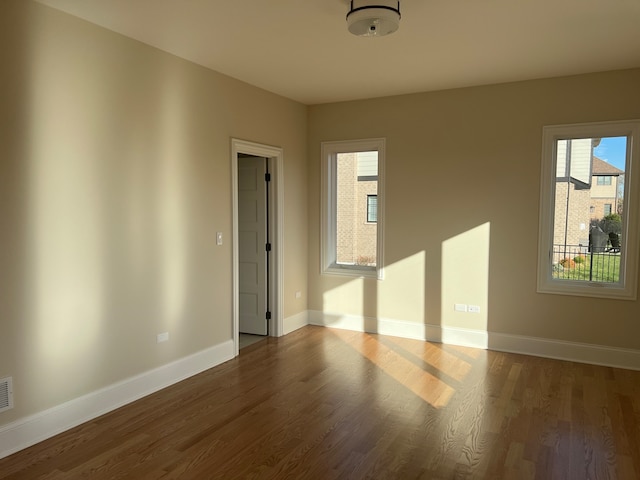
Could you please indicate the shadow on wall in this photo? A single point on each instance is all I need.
(15, 43)
(107, 226)
(399, 304)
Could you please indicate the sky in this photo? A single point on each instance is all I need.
(612, 150)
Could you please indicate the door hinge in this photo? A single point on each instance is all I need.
(268, 315)
(268, 247)
(267, 177)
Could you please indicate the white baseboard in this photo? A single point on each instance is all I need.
(563, 350)
(294, 322)
(38, 427)
(396, 328)
(540, 347)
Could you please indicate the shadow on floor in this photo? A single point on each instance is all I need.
(247, 339)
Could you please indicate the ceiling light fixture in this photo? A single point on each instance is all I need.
(372, 19)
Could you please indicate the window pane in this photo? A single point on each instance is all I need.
(586, 227)
(372, 208)
(357, 179)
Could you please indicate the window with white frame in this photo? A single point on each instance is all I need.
(579, 253)
(352, 207)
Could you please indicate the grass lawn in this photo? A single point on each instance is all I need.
(599, 267)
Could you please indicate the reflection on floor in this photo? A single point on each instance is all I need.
(246, 339)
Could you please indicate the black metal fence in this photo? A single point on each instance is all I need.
(588, 263)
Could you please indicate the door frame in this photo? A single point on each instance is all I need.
(274, 156)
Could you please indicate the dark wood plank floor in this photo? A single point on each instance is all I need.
(331, 404)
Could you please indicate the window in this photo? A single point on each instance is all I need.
(580, 253)
(352, 207)
(372, 208)
(604, 180)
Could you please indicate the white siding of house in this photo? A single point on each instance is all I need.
(367, 164)
(580, 165)
(561, 159)
(581, 154)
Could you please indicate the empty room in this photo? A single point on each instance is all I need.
(326, 239)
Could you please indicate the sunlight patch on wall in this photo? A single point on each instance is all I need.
(65, 219)
(172, 211)
(465, 279)
(402, 293)
(346, 299)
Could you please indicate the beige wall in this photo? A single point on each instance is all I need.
(114, 177)
(462, 200)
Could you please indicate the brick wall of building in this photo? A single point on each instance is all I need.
(356, 238)
(577, 225)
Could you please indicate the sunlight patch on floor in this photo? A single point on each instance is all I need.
(431, 389)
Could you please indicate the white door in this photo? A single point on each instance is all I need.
(252, 237)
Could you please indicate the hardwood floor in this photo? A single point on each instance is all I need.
(330, 404)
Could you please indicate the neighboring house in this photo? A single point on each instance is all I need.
(357, 208)
(586, 189)
(605, 194)
(573, 182)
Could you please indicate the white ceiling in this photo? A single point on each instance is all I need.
(301, 49)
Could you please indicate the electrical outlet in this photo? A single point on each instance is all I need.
(474, 309)
(162, 337)
(460, 307)
(298, 294)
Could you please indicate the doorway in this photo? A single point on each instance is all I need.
(257, 239)
(254, 247)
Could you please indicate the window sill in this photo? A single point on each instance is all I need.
(353, 271)
(593, 289)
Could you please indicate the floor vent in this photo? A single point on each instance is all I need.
(6, 394)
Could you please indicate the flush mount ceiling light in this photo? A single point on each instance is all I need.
(372, 19)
